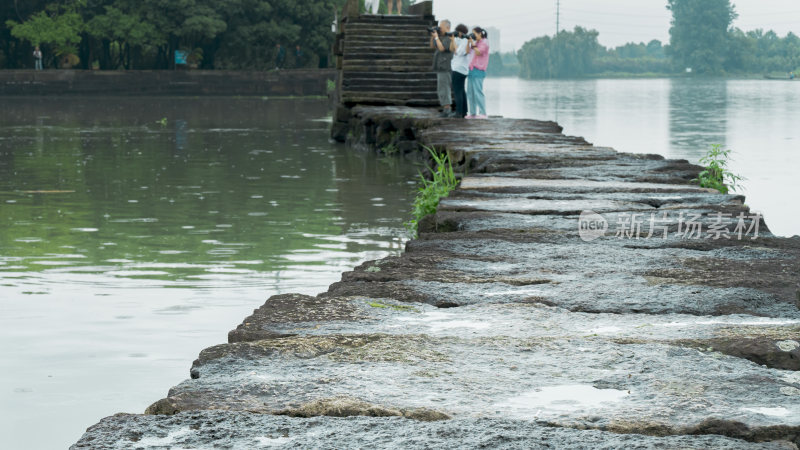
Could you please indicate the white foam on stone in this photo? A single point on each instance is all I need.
(788, 390)
(264, 377)
(765, 321)
(788, 346)
(606, 330)
(439, 321)
(272, 442)
(459, 324)
(668, 197)
(429, 316)
(515, 292)
(561, 399)
(761, 321)
(166, 441)
(774, 412)
(792, 377)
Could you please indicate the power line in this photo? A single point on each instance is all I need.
(616, 14)
(773, 13)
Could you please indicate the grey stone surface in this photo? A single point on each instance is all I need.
(237, 430)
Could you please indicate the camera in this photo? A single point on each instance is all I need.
(439, 30)
(471, 36)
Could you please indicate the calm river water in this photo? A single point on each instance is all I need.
(127, 245)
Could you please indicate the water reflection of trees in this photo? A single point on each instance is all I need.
(373, 192)
(697, 116)
(256, 181)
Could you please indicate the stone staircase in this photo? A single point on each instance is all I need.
(387, 60)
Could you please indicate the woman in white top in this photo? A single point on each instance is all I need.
(37, 57)
(460, 66)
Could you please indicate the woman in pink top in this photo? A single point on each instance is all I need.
(479, 48)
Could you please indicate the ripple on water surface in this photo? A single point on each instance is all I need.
(152, 241)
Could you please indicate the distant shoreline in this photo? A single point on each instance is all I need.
(274, 83)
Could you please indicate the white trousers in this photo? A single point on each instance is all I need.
(372, 5)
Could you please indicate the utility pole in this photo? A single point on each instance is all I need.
(558, 17)
(556, 51)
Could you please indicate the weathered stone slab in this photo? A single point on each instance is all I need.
(222, 429)
(593, 381)
(279, 316)
(570, 185)
(537, 206)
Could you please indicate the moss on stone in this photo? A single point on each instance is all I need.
(395, 307)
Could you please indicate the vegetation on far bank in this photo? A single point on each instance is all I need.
(144, 34)
(242, 34)
(702, 39)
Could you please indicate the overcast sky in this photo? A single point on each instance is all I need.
(618, 21)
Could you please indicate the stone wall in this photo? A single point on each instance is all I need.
(166, 82)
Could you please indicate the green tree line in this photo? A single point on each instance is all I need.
(144, 34)
(702, 39)
(578, 53)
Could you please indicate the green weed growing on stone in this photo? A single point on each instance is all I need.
(443, 181)
(390, 306)
(716, 174)
(163, 121)
(391, 148)
(331, 85)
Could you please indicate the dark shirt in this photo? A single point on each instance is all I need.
(280, 57)
(442, 60)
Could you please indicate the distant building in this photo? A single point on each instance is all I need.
(494, 39)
